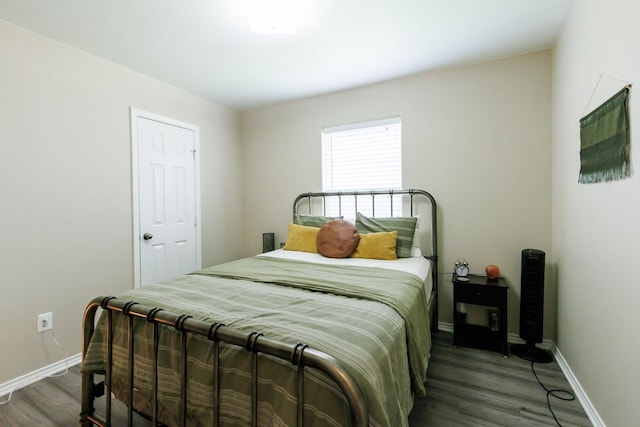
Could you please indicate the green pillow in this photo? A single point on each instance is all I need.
(405, 226)
(312, 220)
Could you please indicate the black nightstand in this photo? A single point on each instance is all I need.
(479, 290)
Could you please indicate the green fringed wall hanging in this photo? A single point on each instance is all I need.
(604, 141)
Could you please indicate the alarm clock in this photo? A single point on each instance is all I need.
(461, 269)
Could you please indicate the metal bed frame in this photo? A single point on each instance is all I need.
(415, 197)
(299, 355)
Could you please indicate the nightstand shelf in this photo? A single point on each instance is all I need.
(479, 290)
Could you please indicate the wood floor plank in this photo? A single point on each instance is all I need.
(465, 388)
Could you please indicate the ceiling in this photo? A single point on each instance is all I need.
(205, 46)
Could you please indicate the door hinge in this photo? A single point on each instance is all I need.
(195, 221)
(194, 153)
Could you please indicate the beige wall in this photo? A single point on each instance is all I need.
(596, 227)
(65, 191)
(478, 138)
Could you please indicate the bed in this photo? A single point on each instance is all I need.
(288, 337)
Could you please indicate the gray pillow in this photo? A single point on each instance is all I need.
(312, 220)
(405, 226)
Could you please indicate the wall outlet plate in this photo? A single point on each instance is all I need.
(45, 322)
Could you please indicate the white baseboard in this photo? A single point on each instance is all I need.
(581, 395)
(511, 338)
(446, 327)
(591, 411)
(32, 377)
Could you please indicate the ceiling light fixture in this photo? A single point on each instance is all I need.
(273, 16)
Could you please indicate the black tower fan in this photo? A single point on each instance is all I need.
(532, 307)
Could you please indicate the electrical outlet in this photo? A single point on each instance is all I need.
(45, 322)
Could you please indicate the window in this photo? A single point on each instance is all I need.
(362, 156)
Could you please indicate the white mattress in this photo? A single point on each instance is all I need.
(418, 266)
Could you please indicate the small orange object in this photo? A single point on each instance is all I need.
(492, 271)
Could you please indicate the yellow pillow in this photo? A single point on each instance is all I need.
(302, 238)
(380, 245)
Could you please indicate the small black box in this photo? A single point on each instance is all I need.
(268, 242)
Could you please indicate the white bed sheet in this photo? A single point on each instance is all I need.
(418, 266)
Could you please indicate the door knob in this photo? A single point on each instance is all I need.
(147, 236)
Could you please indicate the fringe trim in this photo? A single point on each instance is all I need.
(614, 174)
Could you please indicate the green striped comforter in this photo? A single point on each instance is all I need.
(374, 321)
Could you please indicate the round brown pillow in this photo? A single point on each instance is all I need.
(337, 239)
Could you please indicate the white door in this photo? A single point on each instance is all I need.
(167, 234)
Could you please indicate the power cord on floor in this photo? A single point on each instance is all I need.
(558, 393)
(59, 374)
(66, 357)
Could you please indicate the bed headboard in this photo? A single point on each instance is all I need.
(389, 203)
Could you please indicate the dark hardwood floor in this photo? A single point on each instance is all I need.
(471, 387)
(465, 387)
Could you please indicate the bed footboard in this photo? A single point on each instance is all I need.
(255, 343)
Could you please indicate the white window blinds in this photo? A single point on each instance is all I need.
(362, 156)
